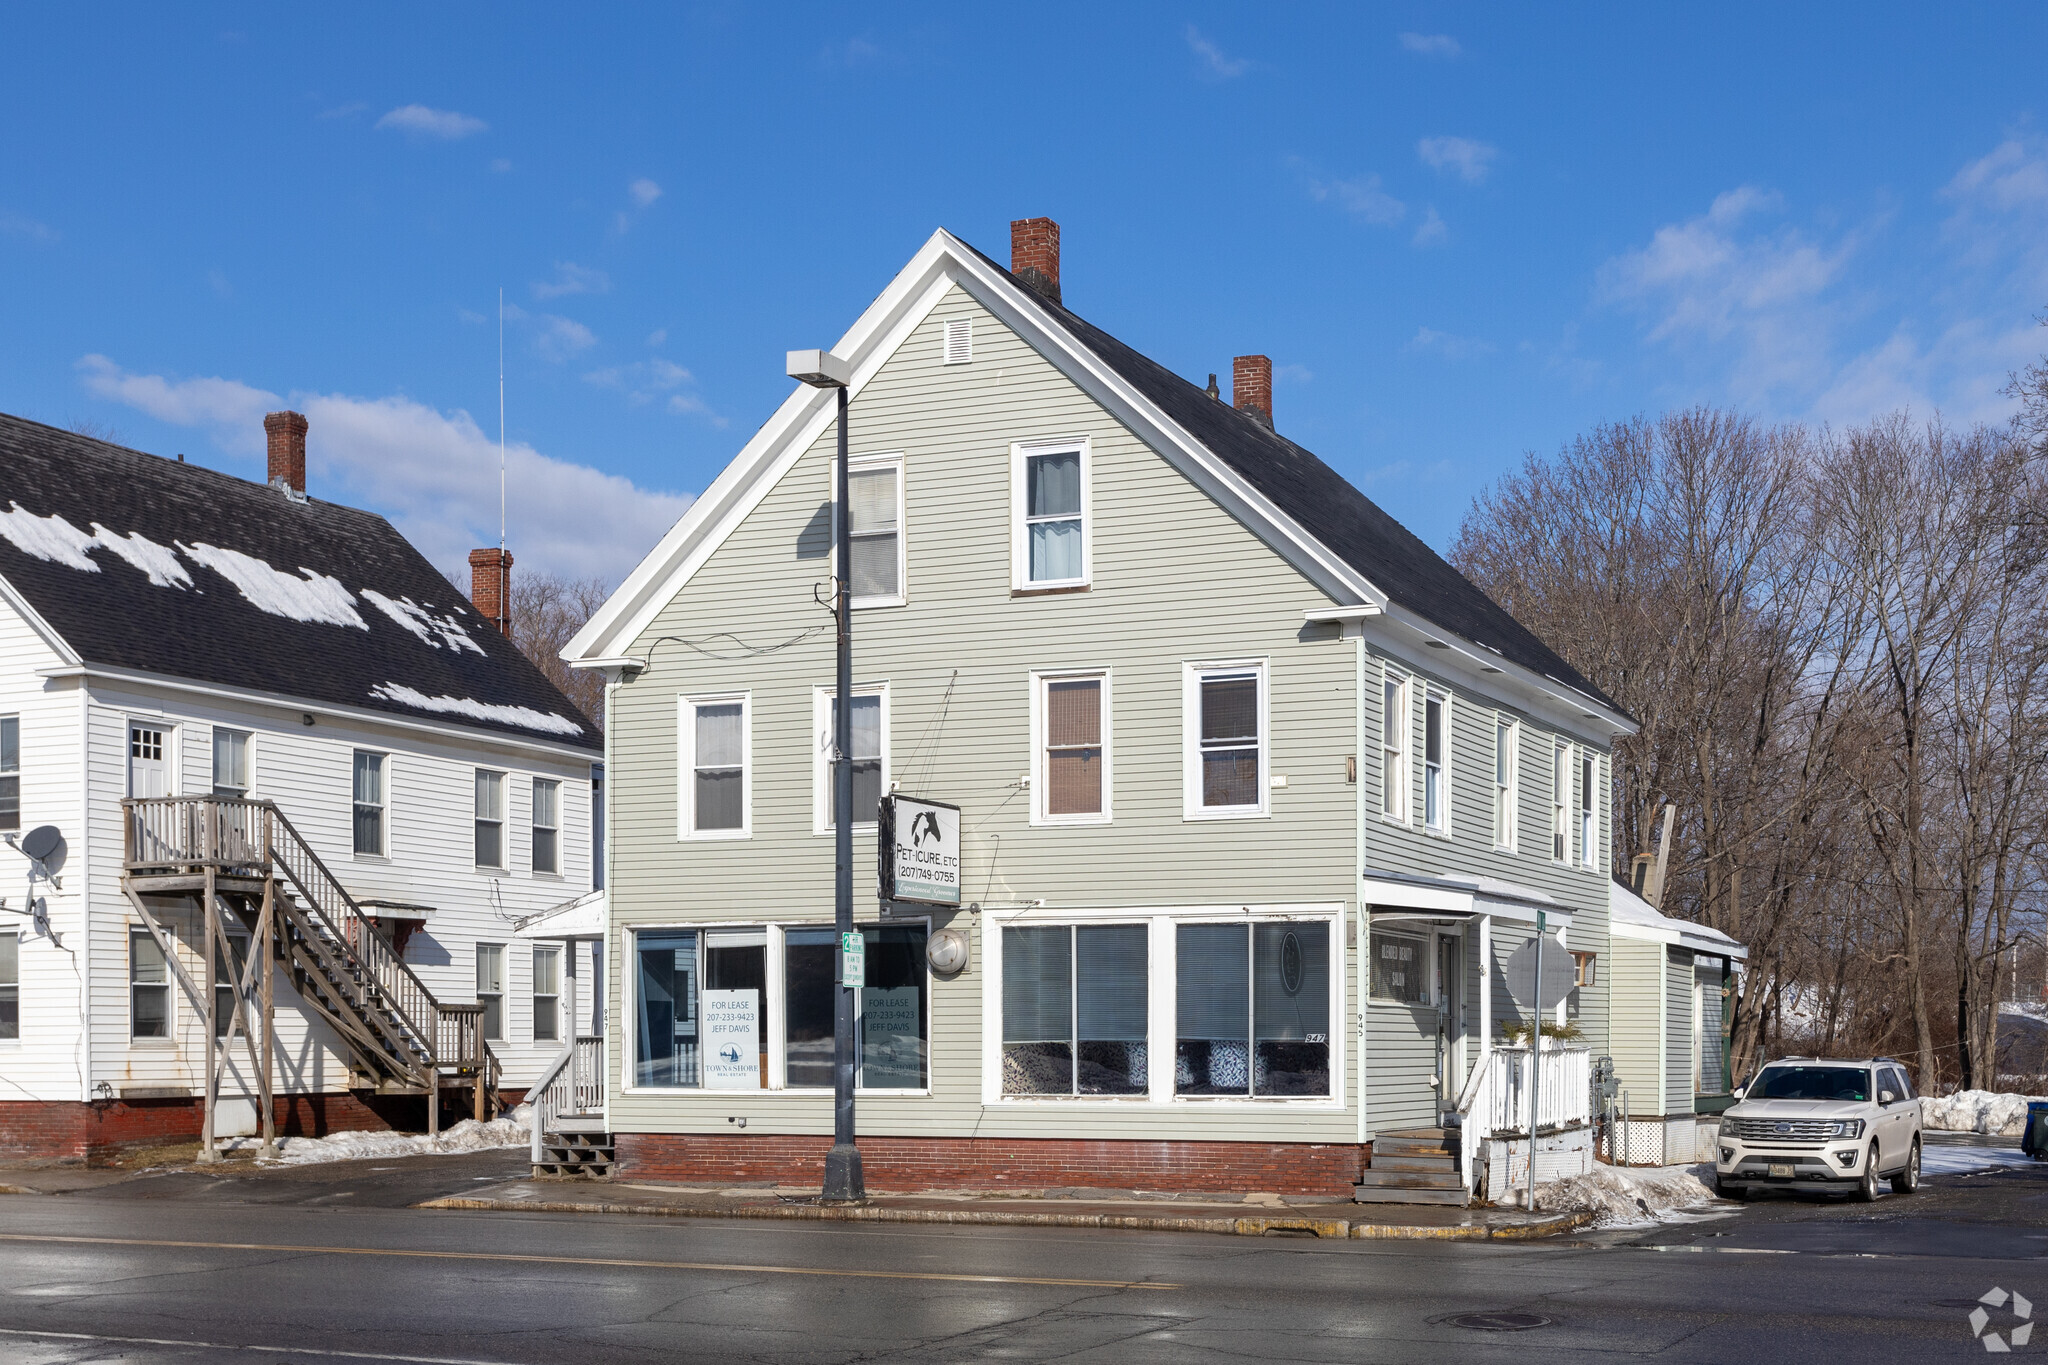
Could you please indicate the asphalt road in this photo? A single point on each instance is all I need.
(323, 1266)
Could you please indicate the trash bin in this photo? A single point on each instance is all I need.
(2034, 1138)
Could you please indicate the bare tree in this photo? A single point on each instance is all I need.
(547, 610)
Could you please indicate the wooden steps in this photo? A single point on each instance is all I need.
(1417, 1166)
(576, 1154)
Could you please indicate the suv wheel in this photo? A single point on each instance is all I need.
(1866, 1189)
(1908, 1180)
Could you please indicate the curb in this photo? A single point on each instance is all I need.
(1321, 1228)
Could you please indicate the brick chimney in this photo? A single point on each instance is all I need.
(1035, 254)
(287, 437)
(490, 586)
(1251, 387)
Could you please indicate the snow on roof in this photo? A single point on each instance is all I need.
(159, 562)
(421, 622)
(316, 597)
(51, 538)
(523, 716)
(1625, 909)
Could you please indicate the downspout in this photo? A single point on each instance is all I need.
(83, 958)
(611, 887)
(1363, 964)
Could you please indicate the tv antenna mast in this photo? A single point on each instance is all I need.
(501, 431)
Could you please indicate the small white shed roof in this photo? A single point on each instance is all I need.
(1630, 916)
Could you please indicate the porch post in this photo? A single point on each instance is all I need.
(261, 946)
(1485, 923)
(209, 937)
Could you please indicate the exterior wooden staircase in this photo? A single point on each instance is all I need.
(1418, 1166)
(567, 1102)
(243, 860)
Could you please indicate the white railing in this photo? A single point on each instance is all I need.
(1496, 1096)
(572, 1084)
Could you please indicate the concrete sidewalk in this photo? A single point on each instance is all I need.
(1244, 1216)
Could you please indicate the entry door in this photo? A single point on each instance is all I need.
(1450, 986)
(149, 769)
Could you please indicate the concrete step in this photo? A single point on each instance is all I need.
(1410, 1180)
(1368, 1195)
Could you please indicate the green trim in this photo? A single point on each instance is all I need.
(1712, 1104)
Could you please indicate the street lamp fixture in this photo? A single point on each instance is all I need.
(843, 1181)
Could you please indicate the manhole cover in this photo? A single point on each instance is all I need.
(1500, 1322)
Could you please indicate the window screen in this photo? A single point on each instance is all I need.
(1230, 740)
(1073, 747)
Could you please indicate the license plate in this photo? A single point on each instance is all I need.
(1781, 1170)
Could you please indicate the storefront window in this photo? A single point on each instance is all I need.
(1253, 1005)
(807, 967)
(1399, 968)
(665, 1032)
(892, 1010)
(1074, 1007)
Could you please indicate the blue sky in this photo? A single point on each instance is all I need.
(1461, 233)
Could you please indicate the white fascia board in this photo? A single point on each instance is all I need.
(1399, 894)
(487, 739)
(1570, 710)
(1678, 937)
(739, 488)
(44, 631)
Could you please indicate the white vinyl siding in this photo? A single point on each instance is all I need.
(1071, 747)
(1052, 538)
(714, 779)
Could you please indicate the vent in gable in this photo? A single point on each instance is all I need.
(959, 340)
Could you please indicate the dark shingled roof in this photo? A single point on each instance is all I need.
(1320, 501)
(208, 631)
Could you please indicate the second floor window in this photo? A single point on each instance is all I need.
(230, 762)
(1506, 737)
(10, 772)
(369, 803)
(714, 732)
(876, 492)
(1560, 803)
(1589, 809)
(547, 825)
(1226, 747)
(1051, 516)
(868, 748)
(1394, 748)
(1074, 753)
(490, 818)
(1435, 798)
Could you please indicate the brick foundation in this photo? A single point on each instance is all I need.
(70, 1132)
(906, 1164)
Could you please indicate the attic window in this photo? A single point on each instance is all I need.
(959, 341)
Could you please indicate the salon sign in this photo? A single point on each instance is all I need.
(920, 851)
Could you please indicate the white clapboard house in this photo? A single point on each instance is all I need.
(276, 799)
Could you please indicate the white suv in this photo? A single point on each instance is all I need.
(1805, 1123)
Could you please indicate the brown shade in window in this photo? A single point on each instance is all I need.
(1073, 750)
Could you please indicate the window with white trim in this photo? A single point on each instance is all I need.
(874, 487)
(1560, 802)
(1436, 805)
(10, 986)
(10, 772)
(370, 803)
(1252, 1009)
(1393, 746)
(490, 989)
(490, 819)
(547, 993)
(1226, 745)
(1071, 744)
(1507, 742)
(1400, 967)
(149, 987)
(716, 788)
(1051, 540)
(547, 826)
(227, 972)
(1075, 1009)
(869, 749)
(230, 762)
(1589, 808)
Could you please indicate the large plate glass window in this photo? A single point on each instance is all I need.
(875, 490)
(230, 762)
(490, 818)
(808, 967)
(1252, 1009)
(1435, 795)
(1394, 747)
(10, 986)
(547, 825)
(869, 751)
(369, 803)
(1400, 968)
(715, 745)
(893, 1010)
(1506, 740)
(490, 988)
(1074, 1010)
(1226, 740)
(665, 1043)
(1073, 728)
(1052, 547)
(149, 987)
(10, 772)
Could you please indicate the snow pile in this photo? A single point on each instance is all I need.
(410, 615)
(316, 597)
(1621, 1196)
(1977, 1111)
(525, 717)
(514, 1130)
(51, 538)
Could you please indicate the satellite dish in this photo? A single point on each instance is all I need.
(45, 843)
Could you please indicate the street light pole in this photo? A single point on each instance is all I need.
(843, 1180)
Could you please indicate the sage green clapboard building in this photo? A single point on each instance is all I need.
(1256, 793)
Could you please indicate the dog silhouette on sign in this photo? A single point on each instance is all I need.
(923, 821)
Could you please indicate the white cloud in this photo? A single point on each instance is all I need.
(1361, 197)
(1431, 231)
(19, 225)
(571, 278)
(644, 191)
(559, 338)
(657, 336)
(420, 121)
(1469, 159)
(500, 164)
(1214, 63)
(1431, 44)
(1447, 345)
(433, 473)
(645, 381)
